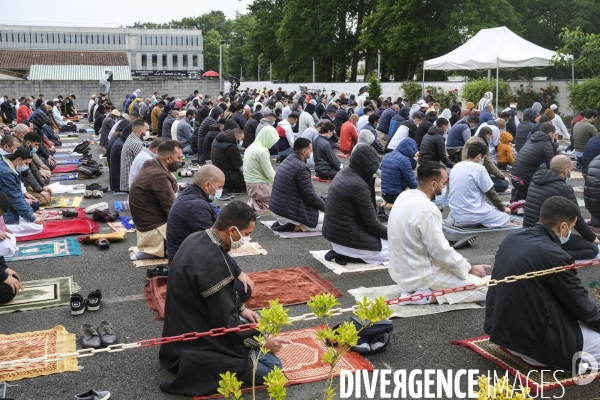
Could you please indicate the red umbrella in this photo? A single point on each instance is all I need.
(211, 74)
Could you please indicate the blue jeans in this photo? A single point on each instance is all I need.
(266, 363)
(500, 185)
(287, 152)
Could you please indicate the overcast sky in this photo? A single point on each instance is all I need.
(111, 13)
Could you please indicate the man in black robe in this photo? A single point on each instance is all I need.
(201, 296)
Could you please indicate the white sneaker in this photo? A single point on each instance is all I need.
(424, 300)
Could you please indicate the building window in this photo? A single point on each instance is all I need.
(194, 61)
(164, 60)
(144, 60)
(185, 60)
(154, 60)
(187, 43)
(175, 61)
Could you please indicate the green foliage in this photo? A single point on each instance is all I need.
(322, 304)
(273, 319)
(212, 42)
(446, 98)
(525, 96)
(474, 91)
(229, 386)
(372, 311)
(275, 382)
(584, 46)
(412, 90)
(585, 95)
(374, 87)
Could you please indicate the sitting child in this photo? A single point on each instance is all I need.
(505, 152)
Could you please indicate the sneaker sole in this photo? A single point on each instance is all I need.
(77, 312)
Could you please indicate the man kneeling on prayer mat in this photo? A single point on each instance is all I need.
(151, 196)
(421, 259)
(548, 319)
(19, 218)
(10, 281)
(294, 202)
(471, 184)
(351, 223)
(201, 296)
(193, 212)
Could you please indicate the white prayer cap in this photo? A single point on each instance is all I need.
(553, 107)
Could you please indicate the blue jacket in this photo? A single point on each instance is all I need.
(10, 183)
(485, 116)
(458, 135)
(384, 121)
(394, 124)
(293, 196)
(397, 168)
(591, 150)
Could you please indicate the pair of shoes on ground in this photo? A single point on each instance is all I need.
(369, 343)
(93, 395)
(226, 195)
(79, 303)
(93, 194)
(96, 337)
(341, 259)
(158, 271)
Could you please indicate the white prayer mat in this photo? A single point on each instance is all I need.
(319, 255)
(409, 310)
(516, 223)
(580, 202)
(578, 189)
(249, 249)
(576, 174)
(290, 235)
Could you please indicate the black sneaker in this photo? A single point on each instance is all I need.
(381, 214)
(78, 304)
(95, 186)
(362, 345)
(94, 299)
(158, 271)
(227, 194)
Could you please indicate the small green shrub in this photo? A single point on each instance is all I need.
(474, 91)
(374, 89)
(525, 96)
(412, 91)
(585, 95)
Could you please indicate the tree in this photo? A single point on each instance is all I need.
(585, 47)
(374, 88)
(212, 41)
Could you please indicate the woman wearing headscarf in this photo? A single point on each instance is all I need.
(366, 137)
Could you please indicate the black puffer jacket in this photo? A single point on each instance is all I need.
(433, 147)
(524, 127)
(39, 118)
(226, 156)
(293, 196)
(424, 127)
(250, 129)
(537, 150)
(209, 124)
(350, 218)
(591, 190)
(547, 183)
(208, 142)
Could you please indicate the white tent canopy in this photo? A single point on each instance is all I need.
(492, 48)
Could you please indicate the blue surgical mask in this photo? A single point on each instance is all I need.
(481, 162)
(217, 194)
(34, 150)
(22, 168)
(564, 240)
(440, 197)
(239, 145)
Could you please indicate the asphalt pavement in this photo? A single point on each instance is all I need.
(420, 342)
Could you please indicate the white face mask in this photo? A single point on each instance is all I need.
(217, 194)
(243, 240)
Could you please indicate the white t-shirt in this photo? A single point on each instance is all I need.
(468, 184)
(401, 134)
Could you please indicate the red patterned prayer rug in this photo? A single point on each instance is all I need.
(37, 344)
(63, 169)
(513, 364)
(302, 360)
(52, 229)
(290, 285)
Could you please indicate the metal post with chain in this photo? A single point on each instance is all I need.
(115, 348)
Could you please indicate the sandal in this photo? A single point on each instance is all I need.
(103, 243)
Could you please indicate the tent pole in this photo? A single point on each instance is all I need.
(573, 74)
(423, 85)
(497, 76)
(489, 75)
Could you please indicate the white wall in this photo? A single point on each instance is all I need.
(392, 89)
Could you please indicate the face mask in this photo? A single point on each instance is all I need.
(22, 168)
(217, 195)
(564, 240)
(439, 197)
(34, 150)
(243, 240)
(481, 162)
(294, 125)
(175, 166)
(239, 145)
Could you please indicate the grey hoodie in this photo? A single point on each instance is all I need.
(263, 122)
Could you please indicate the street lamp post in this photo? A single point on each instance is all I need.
(379, 64)
(270, 71)
(221, 66)
(313, 70)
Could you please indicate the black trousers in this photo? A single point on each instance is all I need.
(579, 248)
(390, 198)
(239, 288)
(520, 189)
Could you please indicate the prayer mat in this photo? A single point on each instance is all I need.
(513, 364)
(410, 310)
(67, 161)
(56, 215)
(70, 145)
(44, 293)
(47, 248)
(291, 286)
(342, 155)
(121, 205)
(319, 255)
(58, 188)
(123, 224)
(249, 249)
(63, 149)
(290, 235)
(37, 344)
(66, 227)
(578, 189)
(317, 179)
(581, 202)
(302, 363)
(576, 174)
(64, 169)
(64, 202)
(64, 177)
(594, 229)
(63, 138)
(515, 223)
(153, 262)
(61, 155)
